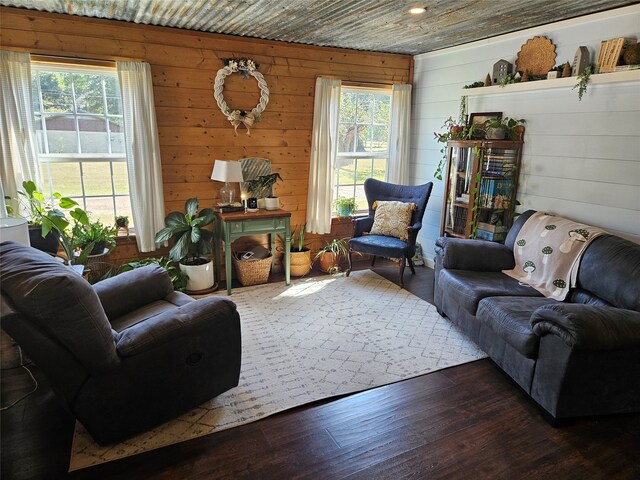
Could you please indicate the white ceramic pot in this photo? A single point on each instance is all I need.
(272, 203)
(201, 277)
(262, 203)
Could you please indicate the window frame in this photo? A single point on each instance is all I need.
(46, 159)
(355, 155)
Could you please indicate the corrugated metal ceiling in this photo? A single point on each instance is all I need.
(375, 25)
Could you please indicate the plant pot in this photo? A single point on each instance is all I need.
(200, 276)
(272, 203)
(98, 248)
(494, 133)
(328, 262)
(47, 244)
(300, 263)
(344, 211)
(518, 132)
(262, 203)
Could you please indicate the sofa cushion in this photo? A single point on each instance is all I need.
(381, 245)
(610, 269)
(471, 286)
(58, 301)
(509, 318)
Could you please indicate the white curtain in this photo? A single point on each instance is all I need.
(143, 152)
(399, 135)
(19, 155)
(324, 145)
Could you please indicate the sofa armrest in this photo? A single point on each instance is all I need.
(467, 254)
(588, 327)
(131, 290)
(175, 324)
(361, 225)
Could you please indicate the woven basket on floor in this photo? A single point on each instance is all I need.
(252, 271)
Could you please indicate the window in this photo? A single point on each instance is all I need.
(80, 135)
(363, 141)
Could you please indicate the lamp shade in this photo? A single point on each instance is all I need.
(15, 230)
(227, 171)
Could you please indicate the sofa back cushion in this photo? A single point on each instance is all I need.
(610, 269)
(59, 302)
(515, 228)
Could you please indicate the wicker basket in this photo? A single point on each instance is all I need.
(252, 271)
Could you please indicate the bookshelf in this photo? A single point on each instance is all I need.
(480, 190)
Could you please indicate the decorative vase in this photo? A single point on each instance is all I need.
(300, 262)
(200, 276)
(272, 203)
(262, 203)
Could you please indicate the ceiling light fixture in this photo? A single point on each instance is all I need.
(417, 10)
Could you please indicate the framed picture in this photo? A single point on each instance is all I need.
(482, 117)
(479, 119)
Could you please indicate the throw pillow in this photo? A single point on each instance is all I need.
(392, 219)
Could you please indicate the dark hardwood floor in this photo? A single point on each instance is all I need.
(470, 421)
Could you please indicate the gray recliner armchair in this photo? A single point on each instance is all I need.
(128, 353)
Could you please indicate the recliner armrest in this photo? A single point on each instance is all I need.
(588, 327)
(131, 290)
(362, 225)
(479, 255)
(175, 324)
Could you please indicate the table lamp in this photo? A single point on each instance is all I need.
(227, 171)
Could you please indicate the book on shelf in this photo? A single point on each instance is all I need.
(488, 227)
(610, 52)
(491, 236)
(626, 68)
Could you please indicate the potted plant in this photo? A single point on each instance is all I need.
(122, 224)
(300, 255)
(345, 206)
(261, 188)
(37, 208)
(515, 128)
(178, 278)
(192, 242)
(453, 131)
(329, 256)
(101, 237)
(498, 128)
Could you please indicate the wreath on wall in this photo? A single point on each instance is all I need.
(247, 68)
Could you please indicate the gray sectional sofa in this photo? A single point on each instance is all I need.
(575, 358)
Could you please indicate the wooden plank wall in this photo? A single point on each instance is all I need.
(192, 130)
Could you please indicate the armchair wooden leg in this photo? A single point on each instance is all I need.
(373, 260)
(413, 269)
(403, 263)
(349, 258)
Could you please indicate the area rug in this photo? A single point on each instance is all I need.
(316, 338)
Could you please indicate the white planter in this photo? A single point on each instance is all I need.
(200, 276)
(272, 203)
(262, 203)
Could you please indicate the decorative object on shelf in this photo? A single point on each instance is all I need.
(536, 57)
(525, 77)
(227, 171)
(583, 80)
(631, 54)
(475, 85)
(566, 70)
(481, 118)
(487, 80)
(553, 73)
(580, 61)
(509, 79)
(501, 69)
(610, 53)
(247, 68)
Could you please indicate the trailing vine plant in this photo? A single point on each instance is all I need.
(583, 80)
(476, 197)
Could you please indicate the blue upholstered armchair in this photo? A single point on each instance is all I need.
(390, 247)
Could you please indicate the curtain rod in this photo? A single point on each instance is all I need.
(73, 60)
(349, 83)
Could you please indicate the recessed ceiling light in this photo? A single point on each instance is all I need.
(417, 10)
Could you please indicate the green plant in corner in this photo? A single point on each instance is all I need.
(178, 277)
(476, 203)
(336, 248)
(96, 234)
(583, 80)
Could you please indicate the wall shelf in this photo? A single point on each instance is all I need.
(595, 79)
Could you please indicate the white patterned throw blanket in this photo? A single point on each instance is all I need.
(548, 251)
